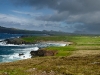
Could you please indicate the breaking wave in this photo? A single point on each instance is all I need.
(18, 52)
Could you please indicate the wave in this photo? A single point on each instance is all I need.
(23, 51)
(26, 49)
(33, 48)
(19, 54)
(3, 43)
(53, 44)
(57, 44)
(15, 56)
(1, 40)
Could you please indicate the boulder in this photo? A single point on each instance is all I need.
(43, 53)
(50, 53)
(34, 53)
(20, 54)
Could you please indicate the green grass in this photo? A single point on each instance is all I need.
(85, 40)
(29, 39)
(59, 64)
(79, 40)
(62, 51)
(45, 38)
(53, 65)
(79, 43)
(66, 48)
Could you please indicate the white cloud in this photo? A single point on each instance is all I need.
(28, 13)
(13, 19)
(26, 23)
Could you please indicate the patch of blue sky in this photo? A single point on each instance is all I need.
(6, 7)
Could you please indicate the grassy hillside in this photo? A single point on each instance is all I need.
(79, 40)
(23, 31)
(80, 58)
(79, 43)
(53, 66)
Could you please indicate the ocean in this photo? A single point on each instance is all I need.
(10, 52)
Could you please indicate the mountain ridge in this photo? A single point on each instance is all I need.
(20, 31)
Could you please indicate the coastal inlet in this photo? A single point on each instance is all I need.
(14, 49)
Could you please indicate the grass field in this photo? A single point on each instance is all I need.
(79, 43)
(53, 66)
(79, 40)
(80, 58)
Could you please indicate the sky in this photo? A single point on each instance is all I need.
(58, 15)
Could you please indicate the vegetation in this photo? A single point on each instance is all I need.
(62, 51)
(79, 40)
(53, 66)
(44, 38)
(80, 58)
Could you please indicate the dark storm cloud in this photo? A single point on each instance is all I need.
(35, 3)
(62, 5)
(54, 17)
(86, 12)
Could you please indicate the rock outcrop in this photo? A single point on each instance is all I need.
(20, 54)
(17, 41)
(43, 53)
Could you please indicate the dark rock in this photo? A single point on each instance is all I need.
(14, 41)
(25, 36)
(34, 53)
(17, 41)
(43, 53)
(20, 54)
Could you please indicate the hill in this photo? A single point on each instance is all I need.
(19, 31)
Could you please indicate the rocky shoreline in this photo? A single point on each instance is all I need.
(37, 53)
(40, 52)
(17, 41)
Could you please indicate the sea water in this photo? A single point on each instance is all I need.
(10, 52)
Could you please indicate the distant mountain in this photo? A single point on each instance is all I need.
(19, 31)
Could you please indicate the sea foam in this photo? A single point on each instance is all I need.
(15, 56)
(24, 50)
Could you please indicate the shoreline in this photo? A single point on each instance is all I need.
(60, 42)
(22, 55)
